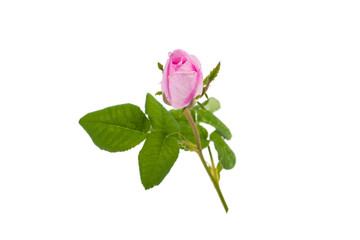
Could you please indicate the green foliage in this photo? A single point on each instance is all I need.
(180, 117)
(160, 66)
(211, 104)
(213, 74)
(156, 158)
(209, 118)
(158, 93)
(226, 155)
(186, 132)
(219, 167)
(160, 118)
(201, 106)
(122, 127)
(116, 128)
(161, 148)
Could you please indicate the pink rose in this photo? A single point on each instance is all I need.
(182, 79)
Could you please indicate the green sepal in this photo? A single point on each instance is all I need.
(160, 66)
(116, 128)
(226, 156)
(158, 93)
(156, 158)
(213, 74)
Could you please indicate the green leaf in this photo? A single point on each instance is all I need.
(211, 104)
(186, 130)
(158, 93)
(156, 158)
(180, 117)
(213, 74)
(160, 118)
(209, 118)
(226, 155)
(160, 66)
(201, 106)
(116, 128)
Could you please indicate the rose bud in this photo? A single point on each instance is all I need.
(182, 79)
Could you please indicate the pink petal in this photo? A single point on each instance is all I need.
(187, 67)
(195, 61)
(179, 53)
(164, 82)
(181, 88)
(182, 78)
(199, 83)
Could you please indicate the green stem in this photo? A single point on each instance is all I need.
(213, 168)
(199, 151)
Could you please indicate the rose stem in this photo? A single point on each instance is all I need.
(199, 151)
(213, 168)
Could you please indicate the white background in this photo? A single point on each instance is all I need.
(289, 89)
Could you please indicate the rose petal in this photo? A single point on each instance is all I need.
(187, 67)
(181, 87)
(164, 82)
(199, 83)
(194, 60)
(179, 53)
